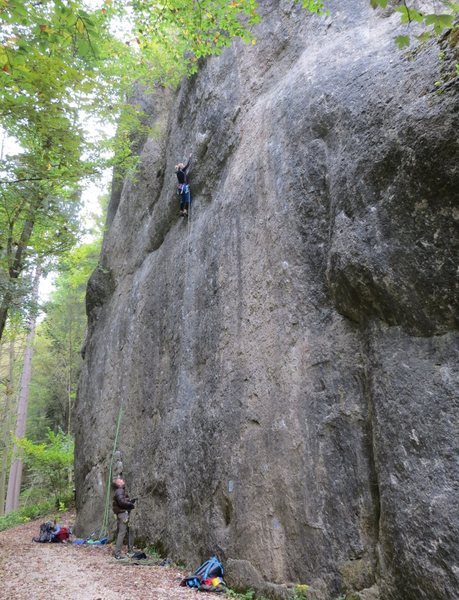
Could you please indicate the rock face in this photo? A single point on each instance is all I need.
(286, 361)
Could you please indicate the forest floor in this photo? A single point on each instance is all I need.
(31, 571)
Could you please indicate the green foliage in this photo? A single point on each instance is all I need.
(152, 551)
(50, 464)
(60, 336)
(409, 15)
(183, 31)
(433, 23)
(49, 55)
(315, 6)
(25, 514)
(38, 221)
(379, 3)
(34, 511)
(50, 80)
(439, 22)
(300, 592)
(249, 595)
(402, 41)
(38, 217)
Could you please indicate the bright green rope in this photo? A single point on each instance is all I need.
(104, 527)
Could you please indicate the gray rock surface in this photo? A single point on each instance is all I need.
(286, 360)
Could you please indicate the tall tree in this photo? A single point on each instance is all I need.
(15, 476)
(11, 357)
(8, 381)
(48, 74)
(39, 221)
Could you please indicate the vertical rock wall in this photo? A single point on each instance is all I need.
(286, 361)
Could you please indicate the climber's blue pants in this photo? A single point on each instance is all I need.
(185, 197)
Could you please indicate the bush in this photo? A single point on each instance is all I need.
(25, 514)
(34, 511)
(152, 551)
(300, 592)
(248, 595)
(238, 596)
(49, 464)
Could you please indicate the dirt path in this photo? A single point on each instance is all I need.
(31, 571)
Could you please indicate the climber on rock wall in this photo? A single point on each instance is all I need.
(183, 187)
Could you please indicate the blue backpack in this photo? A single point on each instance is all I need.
(208, 570)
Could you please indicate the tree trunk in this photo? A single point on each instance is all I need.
(6, 436)
(69, 386)
(3, 314)
(15, 478)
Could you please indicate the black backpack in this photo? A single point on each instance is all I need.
(46, 533)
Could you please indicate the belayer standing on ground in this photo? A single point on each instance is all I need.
(122, 506)
(183, 187)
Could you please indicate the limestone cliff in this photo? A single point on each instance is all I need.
(287, 359)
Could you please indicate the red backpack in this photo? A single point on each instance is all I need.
(62, 535)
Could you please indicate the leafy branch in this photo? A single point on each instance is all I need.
(434, 23)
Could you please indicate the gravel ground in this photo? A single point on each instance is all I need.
(31, 571)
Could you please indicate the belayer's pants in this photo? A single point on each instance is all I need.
(123, 528)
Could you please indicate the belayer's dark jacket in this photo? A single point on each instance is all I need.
(121, 501)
